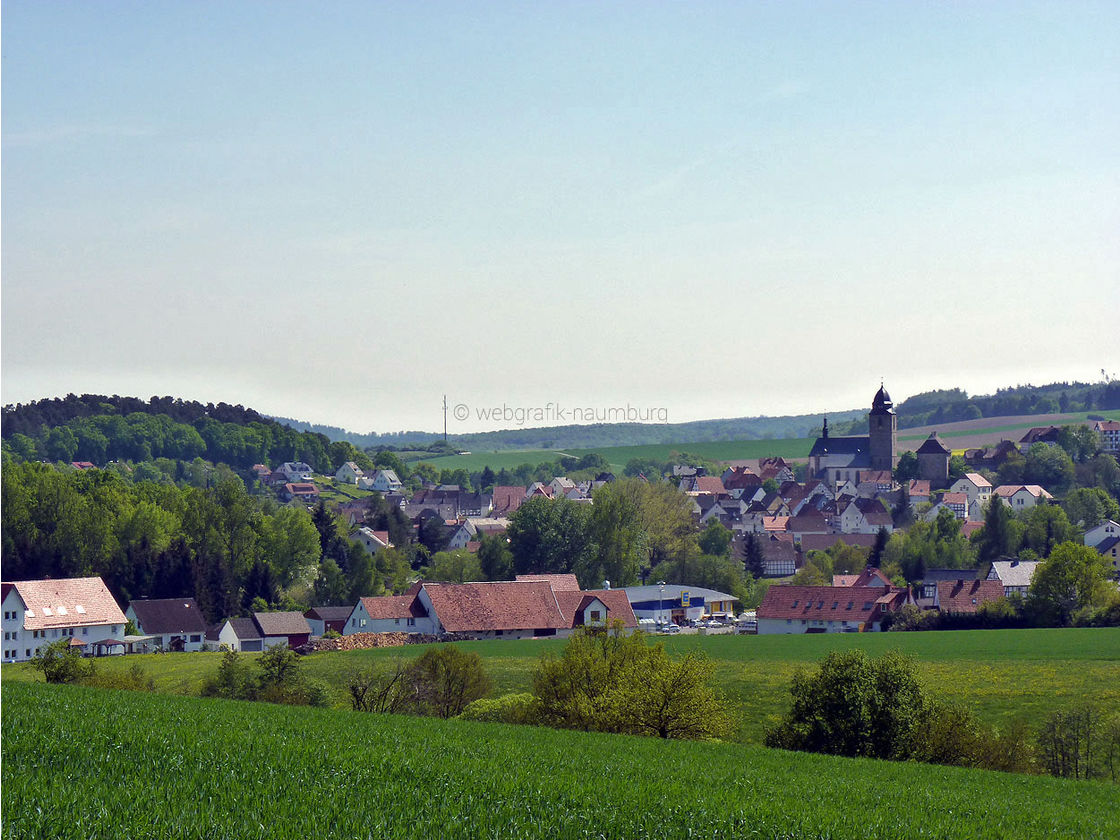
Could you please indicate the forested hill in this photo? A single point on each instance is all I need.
(597, 434)
(101, 429)
(28, 419)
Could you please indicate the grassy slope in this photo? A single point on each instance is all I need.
(962, 434)
(85, 763)
(999, 674)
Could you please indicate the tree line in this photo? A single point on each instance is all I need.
(231, 551)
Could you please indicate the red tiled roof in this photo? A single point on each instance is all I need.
(970, 528)
(852, 603)
(507, 498)
(301, 488)
(775, 523)
(876, 476)
(919, 487)
(501, 605)
(615, 600)
(844, 580)
(955, 498)
(710, 484)
(395, 606)
(872, 574)
(559, 583)
(67, 602)
(964, 596)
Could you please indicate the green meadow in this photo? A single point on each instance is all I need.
(999, 674)
(722, 450)
(618, 456)
(100, 765)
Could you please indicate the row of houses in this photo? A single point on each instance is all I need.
(860, 603)
(40, 612)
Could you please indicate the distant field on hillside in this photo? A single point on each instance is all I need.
(618, 456)
(960, 435)
(970, 434)
(1000, 674)
(100, 765)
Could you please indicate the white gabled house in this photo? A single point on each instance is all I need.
(390, 614)
(1095, 536)
(348, 473)
(1022, 496)
(975, 487)
(39, 612)
(383, 481)
(175, 623)
(371, 540)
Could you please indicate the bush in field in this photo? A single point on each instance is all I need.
(608, 682)
(509, 708)
(61, 663)
(445, 679)
(855, 706)
(233, 681)
(280, 680)
(1081, 744)
(386, 689)
(134, 679)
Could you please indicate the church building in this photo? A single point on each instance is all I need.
(839, 459)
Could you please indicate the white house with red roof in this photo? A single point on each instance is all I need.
(371, 540)
(1023, 496)
(975, 487)
(1109, 432)
(533, 607)
(39, 612)
(828, 609)
(349, 473)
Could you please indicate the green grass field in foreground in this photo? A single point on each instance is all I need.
(93, 764)
(999, 674)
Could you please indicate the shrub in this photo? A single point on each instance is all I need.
(332, 634)
(61, 663)
(233, 680)
(509, 708)
(608, 682)
(855, 706)
(1080, 744)
(445, 679)
(385, 689)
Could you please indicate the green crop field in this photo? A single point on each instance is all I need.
(999, 674)
(101, 765)
(734, 450)
(617, 456)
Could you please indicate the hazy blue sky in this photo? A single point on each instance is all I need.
(342, 211)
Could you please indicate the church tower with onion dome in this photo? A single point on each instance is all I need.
(882, 429)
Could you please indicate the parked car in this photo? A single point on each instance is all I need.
(670, 629)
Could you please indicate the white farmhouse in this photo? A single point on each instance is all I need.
(39, 612)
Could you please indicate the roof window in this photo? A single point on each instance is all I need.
(80, 609)
(46, 610)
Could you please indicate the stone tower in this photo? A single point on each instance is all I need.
(882, 431)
